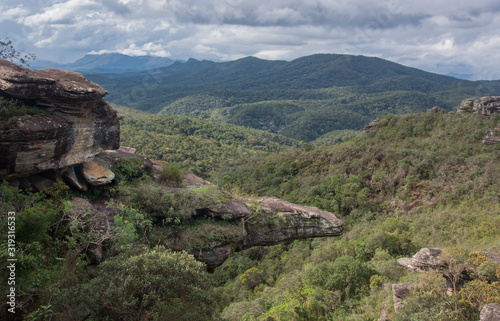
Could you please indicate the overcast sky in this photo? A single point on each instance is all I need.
(442, 36)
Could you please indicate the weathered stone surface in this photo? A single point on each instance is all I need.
(436, 109)
(236, 209)
(276, 221)
(490, 312)
(192, 181)
(50, 84)
(40, 183)
(426, 258)
(74, 181)
(401, 292)
(96, 174)
(112, 157)
(80, 124)
(492, 137)
(484, 105)
(298, 222)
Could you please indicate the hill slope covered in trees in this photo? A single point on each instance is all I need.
(302, 99)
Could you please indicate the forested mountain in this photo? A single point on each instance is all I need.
(302, 99)
(111, 62)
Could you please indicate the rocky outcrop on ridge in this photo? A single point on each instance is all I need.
(273, 221)
(485, 105)
(79, 123)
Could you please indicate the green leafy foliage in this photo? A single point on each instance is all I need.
(9, 52)
(195, 145)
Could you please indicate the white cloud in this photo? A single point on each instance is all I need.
(435, 35)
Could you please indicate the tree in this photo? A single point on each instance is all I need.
(8, 52)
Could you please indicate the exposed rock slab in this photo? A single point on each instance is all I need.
(425, 259)
(298, 222)
(490, 312)
(80, 124)
(273, 221)
(235, 209)
(96, 174)
(484, 105)
(401, 292)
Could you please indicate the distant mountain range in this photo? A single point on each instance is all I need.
(108, 63)
(304, 99)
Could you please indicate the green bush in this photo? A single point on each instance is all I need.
(130, 168)
(157, 284)
(172, 174)
(346, 274)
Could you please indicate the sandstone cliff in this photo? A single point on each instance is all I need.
(79, 123)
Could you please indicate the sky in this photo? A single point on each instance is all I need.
(442, 36)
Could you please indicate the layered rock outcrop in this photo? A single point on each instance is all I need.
(272, 221)
(485, 105)
(78, 124)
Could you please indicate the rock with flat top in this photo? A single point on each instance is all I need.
(74, 123)
(96, 174)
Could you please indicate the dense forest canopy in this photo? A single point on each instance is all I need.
(301, 99)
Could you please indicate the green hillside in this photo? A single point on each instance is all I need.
(302, 99)
(419, 180)
(200, 146)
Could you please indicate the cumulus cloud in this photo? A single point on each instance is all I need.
(440, 36)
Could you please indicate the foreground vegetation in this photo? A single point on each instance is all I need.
(419, 180)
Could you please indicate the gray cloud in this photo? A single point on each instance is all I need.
(440, 36)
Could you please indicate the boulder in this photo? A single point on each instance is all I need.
(484, 105)
(74, 181)
(492, 136)
(401, 292)
(77, 125)
(235, 209)
(490, 312)
(425, 259)
(96, 174)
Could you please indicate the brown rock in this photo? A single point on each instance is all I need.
(490, 312)
(73, 181)
(96, 174)
(80, 124)
(401, 292)
(426, 258)
(236, 209)
(484, 105)
(40, 183)
(276, 221)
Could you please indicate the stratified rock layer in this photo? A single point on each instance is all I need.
(79, 125)
(274, 221)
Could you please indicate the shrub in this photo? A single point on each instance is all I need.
(172, 174)
(157, 284)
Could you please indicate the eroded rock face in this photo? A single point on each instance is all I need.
(399, 293)
(425, 259)
(490, 312)
(271, 221)
(80, 124)
(298, 222)
(484, 105)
